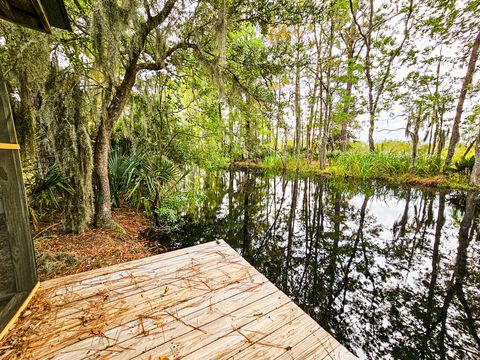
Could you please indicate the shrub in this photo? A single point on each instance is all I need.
(167, 216)
(464, 164)
(44, 192)
(140, 177)
(428, 165)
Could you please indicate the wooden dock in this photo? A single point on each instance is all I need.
(203, 302)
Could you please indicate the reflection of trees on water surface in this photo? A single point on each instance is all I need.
(390, 272)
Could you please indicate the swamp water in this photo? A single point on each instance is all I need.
(391, 272)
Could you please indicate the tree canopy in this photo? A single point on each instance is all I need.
(211, 82)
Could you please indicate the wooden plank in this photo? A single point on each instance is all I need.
(14, 208)
(10, 308)
(234, 316)
(71, 329)
(7, 280)
(141, 278)
(256, 334)
(341, 353)
(7, 9)
(27, 13)
(218, 308)
(113, 296)
(102, 274)
(155, 324)
(268, 337)
(42, 16)
(14, 200)
(319, 345)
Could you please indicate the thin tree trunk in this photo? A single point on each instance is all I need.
(311, 116)
(374, 99)
(467, 81)
(475, 176)
(279, 115)
(230, 135)
(329, 102)
(368, 65)
(441, 139)
(348, 93)
(298, 115)
(414, 135)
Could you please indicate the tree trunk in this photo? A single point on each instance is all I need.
(345, 122)
(467, 81)
(368, 65)
(348, 93)
(230, 133)
(414, 148)
(475, 176)
(329, 101)
(103, 212)
(371, 128)
(415, 137)
(298, 114)
(312, 115)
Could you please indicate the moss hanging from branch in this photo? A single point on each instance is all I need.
(221, 33)
(110, 20)
(26, 68)
(66, 128)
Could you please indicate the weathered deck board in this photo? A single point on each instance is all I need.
(204, 302)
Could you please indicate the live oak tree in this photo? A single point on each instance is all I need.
(129, 42)
(137, 58)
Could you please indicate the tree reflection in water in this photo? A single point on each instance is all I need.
(391, 272)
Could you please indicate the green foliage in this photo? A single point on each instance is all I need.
(394, 146)
(45, 192)
(216, 85)
(464, 164)
(168, 215)
(383, 165)
(141, 177)
(262, 153)
(372, 164)
(428, 166)
(273, 161)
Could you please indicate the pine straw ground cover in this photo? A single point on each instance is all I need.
(59, 254)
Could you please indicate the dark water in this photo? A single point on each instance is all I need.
(391, 272)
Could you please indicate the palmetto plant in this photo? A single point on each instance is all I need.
(44, 192)
(464, 164)
(140, 177)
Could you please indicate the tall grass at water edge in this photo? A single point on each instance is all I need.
(381, 165)
(359, 164)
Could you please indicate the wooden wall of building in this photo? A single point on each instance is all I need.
(18, 270)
